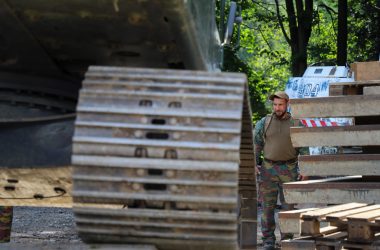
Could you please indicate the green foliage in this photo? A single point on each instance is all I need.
(322, 47)
(363, 30)
(264, 55)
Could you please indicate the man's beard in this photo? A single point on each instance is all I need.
(280, 114)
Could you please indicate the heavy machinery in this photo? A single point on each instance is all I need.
(162, 148)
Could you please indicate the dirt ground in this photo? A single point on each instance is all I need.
(54, 228)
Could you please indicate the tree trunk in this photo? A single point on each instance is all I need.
(342, 33)
(299, 60)
(300, 16)
(377, 53)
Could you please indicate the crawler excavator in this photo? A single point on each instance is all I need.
(119, 109)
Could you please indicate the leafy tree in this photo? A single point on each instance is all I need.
(299, 20)
(363, 30)
(262, 55)
(268, 59)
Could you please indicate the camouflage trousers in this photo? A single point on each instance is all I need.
(6, 215)
(270, 187)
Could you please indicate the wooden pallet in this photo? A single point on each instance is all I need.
(350, 226)
(352, 88)
(338, 165)
(351, 99)
(338, 190)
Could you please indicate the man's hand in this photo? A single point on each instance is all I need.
(302, 178)
(257, 169)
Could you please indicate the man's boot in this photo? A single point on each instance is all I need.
(268, 245)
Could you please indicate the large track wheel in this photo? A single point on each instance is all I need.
(156, 156)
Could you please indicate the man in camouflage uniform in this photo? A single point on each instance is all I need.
(272, 137)
(6, 214)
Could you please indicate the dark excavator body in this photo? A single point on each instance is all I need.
(130, 94)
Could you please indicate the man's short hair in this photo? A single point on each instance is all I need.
(279, 94)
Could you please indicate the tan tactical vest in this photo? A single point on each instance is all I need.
(278, 146)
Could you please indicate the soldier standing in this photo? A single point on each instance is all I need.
(272, 137)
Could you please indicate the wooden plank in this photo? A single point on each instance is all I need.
(290, 221)
(41, 187)
(364, 216)
(350, 88)
(342, 216)
(356, 245)
(336, 90)
(356, 83)
(359, 231)
(338, 106)
(345, 164)
(363, 135)
(247, 234)
(333, 237)
(313, 228)
(329, 229)
(375, 90)
(377, 221)
(305, 243)
(333, 191)
(322, 212)
(366, 70)
(331, 241)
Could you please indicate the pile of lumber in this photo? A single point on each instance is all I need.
(347, 226)
(361, 181)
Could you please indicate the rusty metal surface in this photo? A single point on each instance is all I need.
(165, 145)
(38, 186)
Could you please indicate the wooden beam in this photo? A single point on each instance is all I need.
(363, 135)
(338, 106)
(341, 216)
(345, 164)
(333, 191)
(41, 187)
(290, 221)
(375, 90)
(305, 243)
(321, 213)
(350, 88)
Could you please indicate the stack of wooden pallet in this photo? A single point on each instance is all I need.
(361, 181)
(348, 226)
(356, 175)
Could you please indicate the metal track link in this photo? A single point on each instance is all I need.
(156, 156)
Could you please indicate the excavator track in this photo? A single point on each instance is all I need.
(156, 157)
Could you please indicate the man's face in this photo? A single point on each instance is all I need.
(279, 106)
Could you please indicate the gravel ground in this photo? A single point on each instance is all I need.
(51, 228)
(32, 224)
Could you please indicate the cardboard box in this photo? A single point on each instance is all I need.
(364, 71)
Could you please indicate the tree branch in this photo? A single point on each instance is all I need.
(264, 38)
(292, 21)
(328, 8)
(308, 19)
(282, 23)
